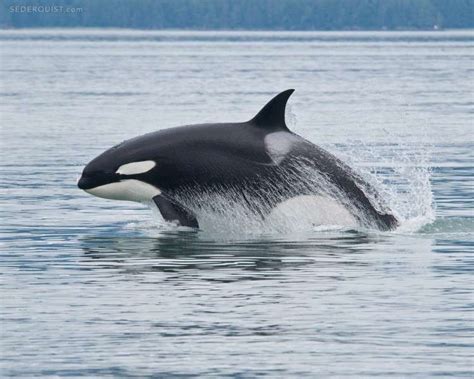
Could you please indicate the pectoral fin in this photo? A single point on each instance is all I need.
(173, 211)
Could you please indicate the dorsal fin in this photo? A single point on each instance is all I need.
(272, 115)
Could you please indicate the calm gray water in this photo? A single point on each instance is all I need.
(98, 288)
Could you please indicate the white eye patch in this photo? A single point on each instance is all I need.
(135, 168)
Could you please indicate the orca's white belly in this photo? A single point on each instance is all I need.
(312, 210)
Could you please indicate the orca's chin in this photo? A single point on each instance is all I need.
(126, 190)
(85, 183)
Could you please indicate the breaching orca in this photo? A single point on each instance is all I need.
(260, 163)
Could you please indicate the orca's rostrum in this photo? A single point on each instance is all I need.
(261, 163)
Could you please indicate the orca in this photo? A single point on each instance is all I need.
(259, 163)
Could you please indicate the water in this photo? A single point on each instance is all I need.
(99, 288)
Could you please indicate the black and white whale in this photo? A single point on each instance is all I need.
(259, 163)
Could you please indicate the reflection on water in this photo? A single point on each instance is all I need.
(100, 288)
(176, 251)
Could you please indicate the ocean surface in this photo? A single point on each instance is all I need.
(99, 288)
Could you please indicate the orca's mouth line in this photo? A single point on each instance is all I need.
(93, 180)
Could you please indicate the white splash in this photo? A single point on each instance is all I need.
(401, 174)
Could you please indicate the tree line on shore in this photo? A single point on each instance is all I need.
(240, 14)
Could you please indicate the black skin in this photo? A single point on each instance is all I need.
(224, 155)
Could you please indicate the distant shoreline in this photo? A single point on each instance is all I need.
(259, 15)
(230, 29)
(98, 28)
